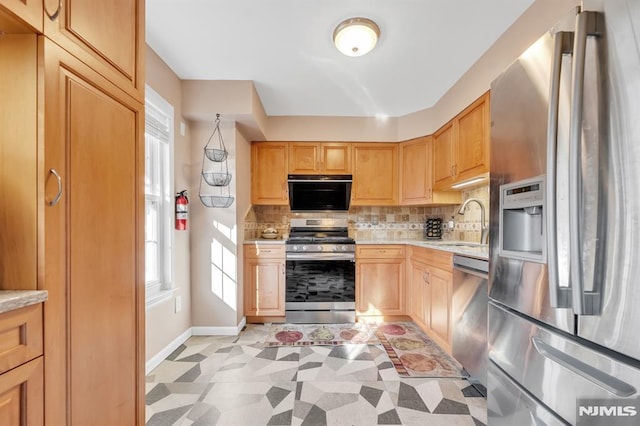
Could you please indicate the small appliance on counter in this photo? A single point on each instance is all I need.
(433, 228)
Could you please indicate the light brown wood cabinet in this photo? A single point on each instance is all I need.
(94, 241)
(380, 275)
(416, 175)
(264, 277)
(430, 291)
(269, 165)
(106, 35)
(20, 163)
(72, 154)
(319, 158)
(375, 174)
(21, 395)
(29, 11)
(21, 367)
(461, 147)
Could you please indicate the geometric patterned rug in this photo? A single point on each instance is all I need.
(414, 354)
(411, 351)
(320, 335)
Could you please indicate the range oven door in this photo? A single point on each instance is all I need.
(320, 288)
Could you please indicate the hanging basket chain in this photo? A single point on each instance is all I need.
(216, 154)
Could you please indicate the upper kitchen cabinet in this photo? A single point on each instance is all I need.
(29, 11)
(416, 175)
(20, 163)
(93, 266)
(461, 147)
(269, 161)
(319, 158)
(106, 35)
(375, 174)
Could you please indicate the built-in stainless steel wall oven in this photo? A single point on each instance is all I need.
(320, 277)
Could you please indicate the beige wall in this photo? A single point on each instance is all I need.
(214, 238)
(163, 324)
(243, 204)
(362, 129)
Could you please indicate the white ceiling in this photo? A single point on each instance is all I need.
(285, 47)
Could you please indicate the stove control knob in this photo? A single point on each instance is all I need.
(319, 248)
(294, 248)
(304, 248)
(343, 248)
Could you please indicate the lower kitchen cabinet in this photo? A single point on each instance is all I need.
(21, 367)
(430, 289)
(264, 280)
(380, 271)
(22, 395)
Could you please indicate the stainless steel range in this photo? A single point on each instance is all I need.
(320, 278)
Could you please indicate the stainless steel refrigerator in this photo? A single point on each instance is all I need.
(564, 277)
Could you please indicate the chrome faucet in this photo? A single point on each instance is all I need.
(484, 236)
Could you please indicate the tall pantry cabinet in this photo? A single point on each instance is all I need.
(87, 156)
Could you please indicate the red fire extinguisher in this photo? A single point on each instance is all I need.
(182, 210)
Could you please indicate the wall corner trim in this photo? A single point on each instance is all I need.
(155, 360)
(219, 331)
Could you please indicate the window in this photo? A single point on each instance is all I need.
(158, 138)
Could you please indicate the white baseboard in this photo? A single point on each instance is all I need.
(155, 360)
(219, 331)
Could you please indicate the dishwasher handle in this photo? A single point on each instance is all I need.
(471, 265)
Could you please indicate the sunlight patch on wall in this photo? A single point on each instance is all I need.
(223, 274)
(228, 232)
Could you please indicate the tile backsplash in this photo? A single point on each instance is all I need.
(382, 223)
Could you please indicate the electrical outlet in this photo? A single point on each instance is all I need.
(178, 304)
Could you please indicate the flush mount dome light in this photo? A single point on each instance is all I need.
(356, 36)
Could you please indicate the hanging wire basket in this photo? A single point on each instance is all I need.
(220, 153)
(217, 155)
(218, 201)
(217, 178)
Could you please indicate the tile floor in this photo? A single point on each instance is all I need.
(234, 380)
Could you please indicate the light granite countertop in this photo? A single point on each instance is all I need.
(15, 299)
(467, 248)
(458, 247)
(278, 240)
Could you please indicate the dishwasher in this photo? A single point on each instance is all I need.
(469, 306)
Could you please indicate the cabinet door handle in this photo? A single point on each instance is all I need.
(59, 194)
(56, 13)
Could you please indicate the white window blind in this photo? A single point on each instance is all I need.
(158, 197)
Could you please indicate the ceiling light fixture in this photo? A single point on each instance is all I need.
(356, 36)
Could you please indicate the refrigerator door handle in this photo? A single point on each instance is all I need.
(607, 382)
(583, 303)
(560, 297)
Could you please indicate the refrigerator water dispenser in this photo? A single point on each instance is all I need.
(522, 222)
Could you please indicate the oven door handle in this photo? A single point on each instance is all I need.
(320, 256)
